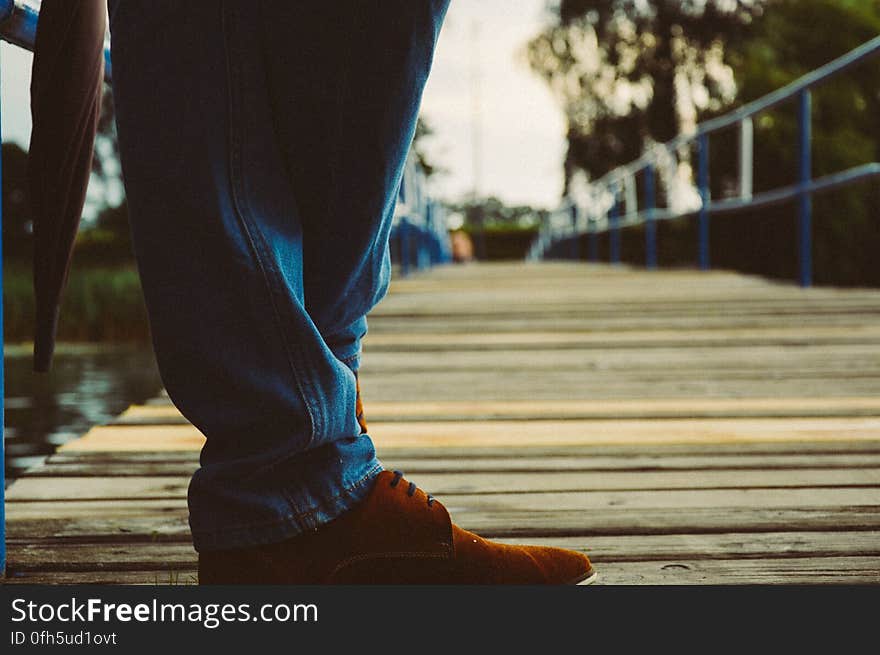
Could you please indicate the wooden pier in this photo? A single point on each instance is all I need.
(680, 427)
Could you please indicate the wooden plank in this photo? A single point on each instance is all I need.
(538, 432)
(559, 409)
(108, 510)
(94, 487)
(154, 578)
(112, 525)
(457, 494)
(181, 556)
(523, 298)
(622, 451)
(133, 465)
(452, 386)
(506, 433)
(631, 375)
(807, 571)
(721, 499)
(131, 438)
(792, 335)
(645, 548)
(100, 557)
(562, 323)
(687, 428)
(156, 520)
(537, 304)
(521, 386)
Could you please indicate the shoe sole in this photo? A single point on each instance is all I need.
(588, 578)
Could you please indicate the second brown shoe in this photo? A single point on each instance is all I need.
(397, 535)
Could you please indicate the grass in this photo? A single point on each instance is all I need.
(100, 303)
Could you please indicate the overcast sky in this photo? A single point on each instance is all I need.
(521, 129)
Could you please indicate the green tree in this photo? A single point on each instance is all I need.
(493, 213)
(633, 71)
(17, 226)
(424, 131)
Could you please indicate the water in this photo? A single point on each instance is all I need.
(88, 385)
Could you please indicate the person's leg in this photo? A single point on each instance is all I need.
(344, 144)
(218, 220)
(262, 160)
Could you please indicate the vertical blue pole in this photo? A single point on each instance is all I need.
(575, 240)
(614, 245)
(594, 243)
(2, 409)
(805, 201)
(430, 233)
(703, 183)
(650, 225)
(427, 257)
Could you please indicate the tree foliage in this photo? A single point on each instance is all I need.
(17, 225)
(628, 72)
(490, 213)
(594, 50)
(793, 38)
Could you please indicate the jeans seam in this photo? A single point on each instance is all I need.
(308, 516)
(305, 517)
(266, 269)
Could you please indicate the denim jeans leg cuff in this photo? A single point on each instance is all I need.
(303, 518)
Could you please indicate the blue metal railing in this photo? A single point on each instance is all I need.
(419, 238)
(18, 25)
(418, 227)
(3, 15)
(602, 213)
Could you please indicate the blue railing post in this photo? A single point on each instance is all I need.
(805, 201)
(2, 407)
(405, 246)
(594, 242)
(614, 237)
(575, 246)
(650, 225)
(424, 256)
(799, 193)
(705, 199)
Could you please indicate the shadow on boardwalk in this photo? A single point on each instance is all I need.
(680, 427)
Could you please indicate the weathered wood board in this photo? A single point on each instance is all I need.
(681, 428)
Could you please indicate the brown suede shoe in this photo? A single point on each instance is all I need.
(398, 535)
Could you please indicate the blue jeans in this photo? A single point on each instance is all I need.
(262, 146)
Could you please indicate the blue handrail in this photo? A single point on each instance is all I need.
(8, 16)
(18, 26)
(418, 229)
(603, 213)
(2, 405)
(19, 23)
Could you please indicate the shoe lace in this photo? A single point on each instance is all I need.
(398, 476)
